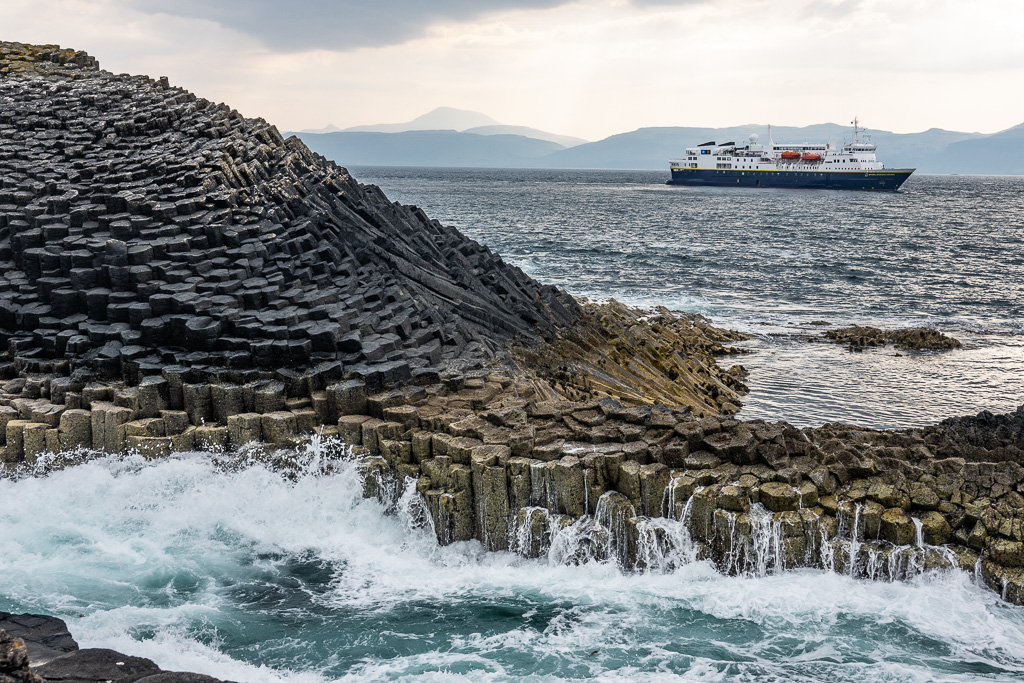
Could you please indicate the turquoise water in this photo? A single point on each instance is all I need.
(233, 570)
(947, 252)
(245, 575)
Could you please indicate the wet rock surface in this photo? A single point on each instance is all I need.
(652, 487)
(36, 648)
(44, 638)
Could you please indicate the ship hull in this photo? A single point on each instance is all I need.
(882, 180)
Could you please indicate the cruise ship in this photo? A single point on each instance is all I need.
(851, 166)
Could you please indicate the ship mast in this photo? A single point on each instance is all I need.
(856, 128)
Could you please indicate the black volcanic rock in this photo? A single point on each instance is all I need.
(97, 665)
(45, 638)
(44, 644)
(141, 227)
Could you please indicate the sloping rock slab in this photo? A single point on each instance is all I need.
(45, 638)
(96, 665)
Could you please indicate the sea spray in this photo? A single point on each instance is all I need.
(764, 553)
(918, 531)
(854, 540)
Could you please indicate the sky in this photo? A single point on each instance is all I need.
(589, 68)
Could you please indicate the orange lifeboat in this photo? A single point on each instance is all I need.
(790, 155)
(807, 156)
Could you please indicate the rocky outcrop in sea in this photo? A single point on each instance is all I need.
(858, 337)
(176, 277)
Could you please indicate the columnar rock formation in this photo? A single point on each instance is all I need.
(175, 277)
(651, 487)
(142, 227)
(147, 233)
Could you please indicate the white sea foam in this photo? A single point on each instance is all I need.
(206, 568)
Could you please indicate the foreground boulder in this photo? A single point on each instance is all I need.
(14, 667)
(44, 644)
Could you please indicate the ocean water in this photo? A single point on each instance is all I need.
(222, 566)
(243, 574)
(946, 252)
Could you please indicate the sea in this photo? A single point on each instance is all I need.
(223, 566)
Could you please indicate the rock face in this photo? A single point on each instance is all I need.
(641, 357)
(143, 227)
(44, 638)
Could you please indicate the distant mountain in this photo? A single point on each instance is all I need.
(1003, 151)
(930, 151)
(329, 128)
(442, 118)
(430, 148)
(563, 140)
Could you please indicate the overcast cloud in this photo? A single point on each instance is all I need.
(299, 25)
(589, 68)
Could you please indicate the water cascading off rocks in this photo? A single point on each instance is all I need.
(743, 527)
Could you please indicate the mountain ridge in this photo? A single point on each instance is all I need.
(440, 118)
(934, 150)
(452, 119)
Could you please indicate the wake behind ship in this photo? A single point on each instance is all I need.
(852, 166)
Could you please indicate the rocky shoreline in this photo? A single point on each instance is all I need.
(505, 461)
(175, 277)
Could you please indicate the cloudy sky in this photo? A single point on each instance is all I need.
(589, 68)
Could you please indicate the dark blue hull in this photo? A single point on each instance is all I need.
(885, 180)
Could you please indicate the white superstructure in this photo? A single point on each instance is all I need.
(856, 156)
